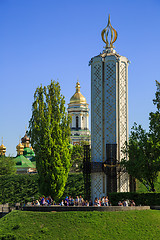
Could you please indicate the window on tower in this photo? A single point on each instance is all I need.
(82, 125)
(77, 122)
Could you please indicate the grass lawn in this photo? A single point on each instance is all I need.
(81, 225)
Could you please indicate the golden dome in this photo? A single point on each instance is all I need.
(2, 147)
(25, 140)
(20, 149)
(2, 150)
(78, 97)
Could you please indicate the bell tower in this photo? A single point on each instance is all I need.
(79, 112)
(109, 117)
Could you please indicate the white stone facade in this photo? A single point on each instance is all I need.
(109, 114)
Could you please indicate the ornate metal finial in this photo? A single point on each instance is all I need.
(2, 140)
(78, 87)
(105, 34)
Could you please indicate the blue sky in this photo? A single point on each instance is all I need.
(42, 40)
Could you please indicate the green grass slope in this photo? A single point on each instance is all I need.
(81, 225)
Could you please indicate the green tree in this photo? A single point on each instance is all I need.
(77, 156)
(143, 163)
(143, 149)
(49, 131)
(154, 125)
(7, 166)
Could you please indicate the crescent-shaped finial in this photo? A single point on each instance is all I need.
(105, 34)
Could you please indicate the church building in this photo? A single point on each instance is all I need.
(79, 112)
(25, 159)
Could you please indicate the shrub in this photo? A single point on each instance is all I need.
(144, 199)
(8, 237)
(24, 187)
(18, 188)
(16, 227)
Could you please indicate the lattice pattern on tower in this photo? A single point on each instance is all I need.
(97, 184)
(97, 110)
(123, 106)
(123, 121)
(123, 181)
(110, 102)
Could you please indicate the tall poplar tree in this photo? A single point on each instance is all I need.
(50, 131)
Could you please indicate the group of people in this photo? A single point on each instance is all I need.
(43, 201)
(79, 201)
(126, 203)
(104, 201)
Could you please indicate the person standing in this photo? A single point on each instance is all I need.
(106, 201)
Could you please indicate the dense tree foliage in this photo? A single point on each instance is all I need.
(143, 149)
(77, 156)
(74, 185)
(19, 188)
(154, 126)
(49, 132)
(7, 166)
(143, 163)
(24, 187)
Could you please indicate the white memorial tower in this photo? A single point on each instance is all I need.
(109, 118)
